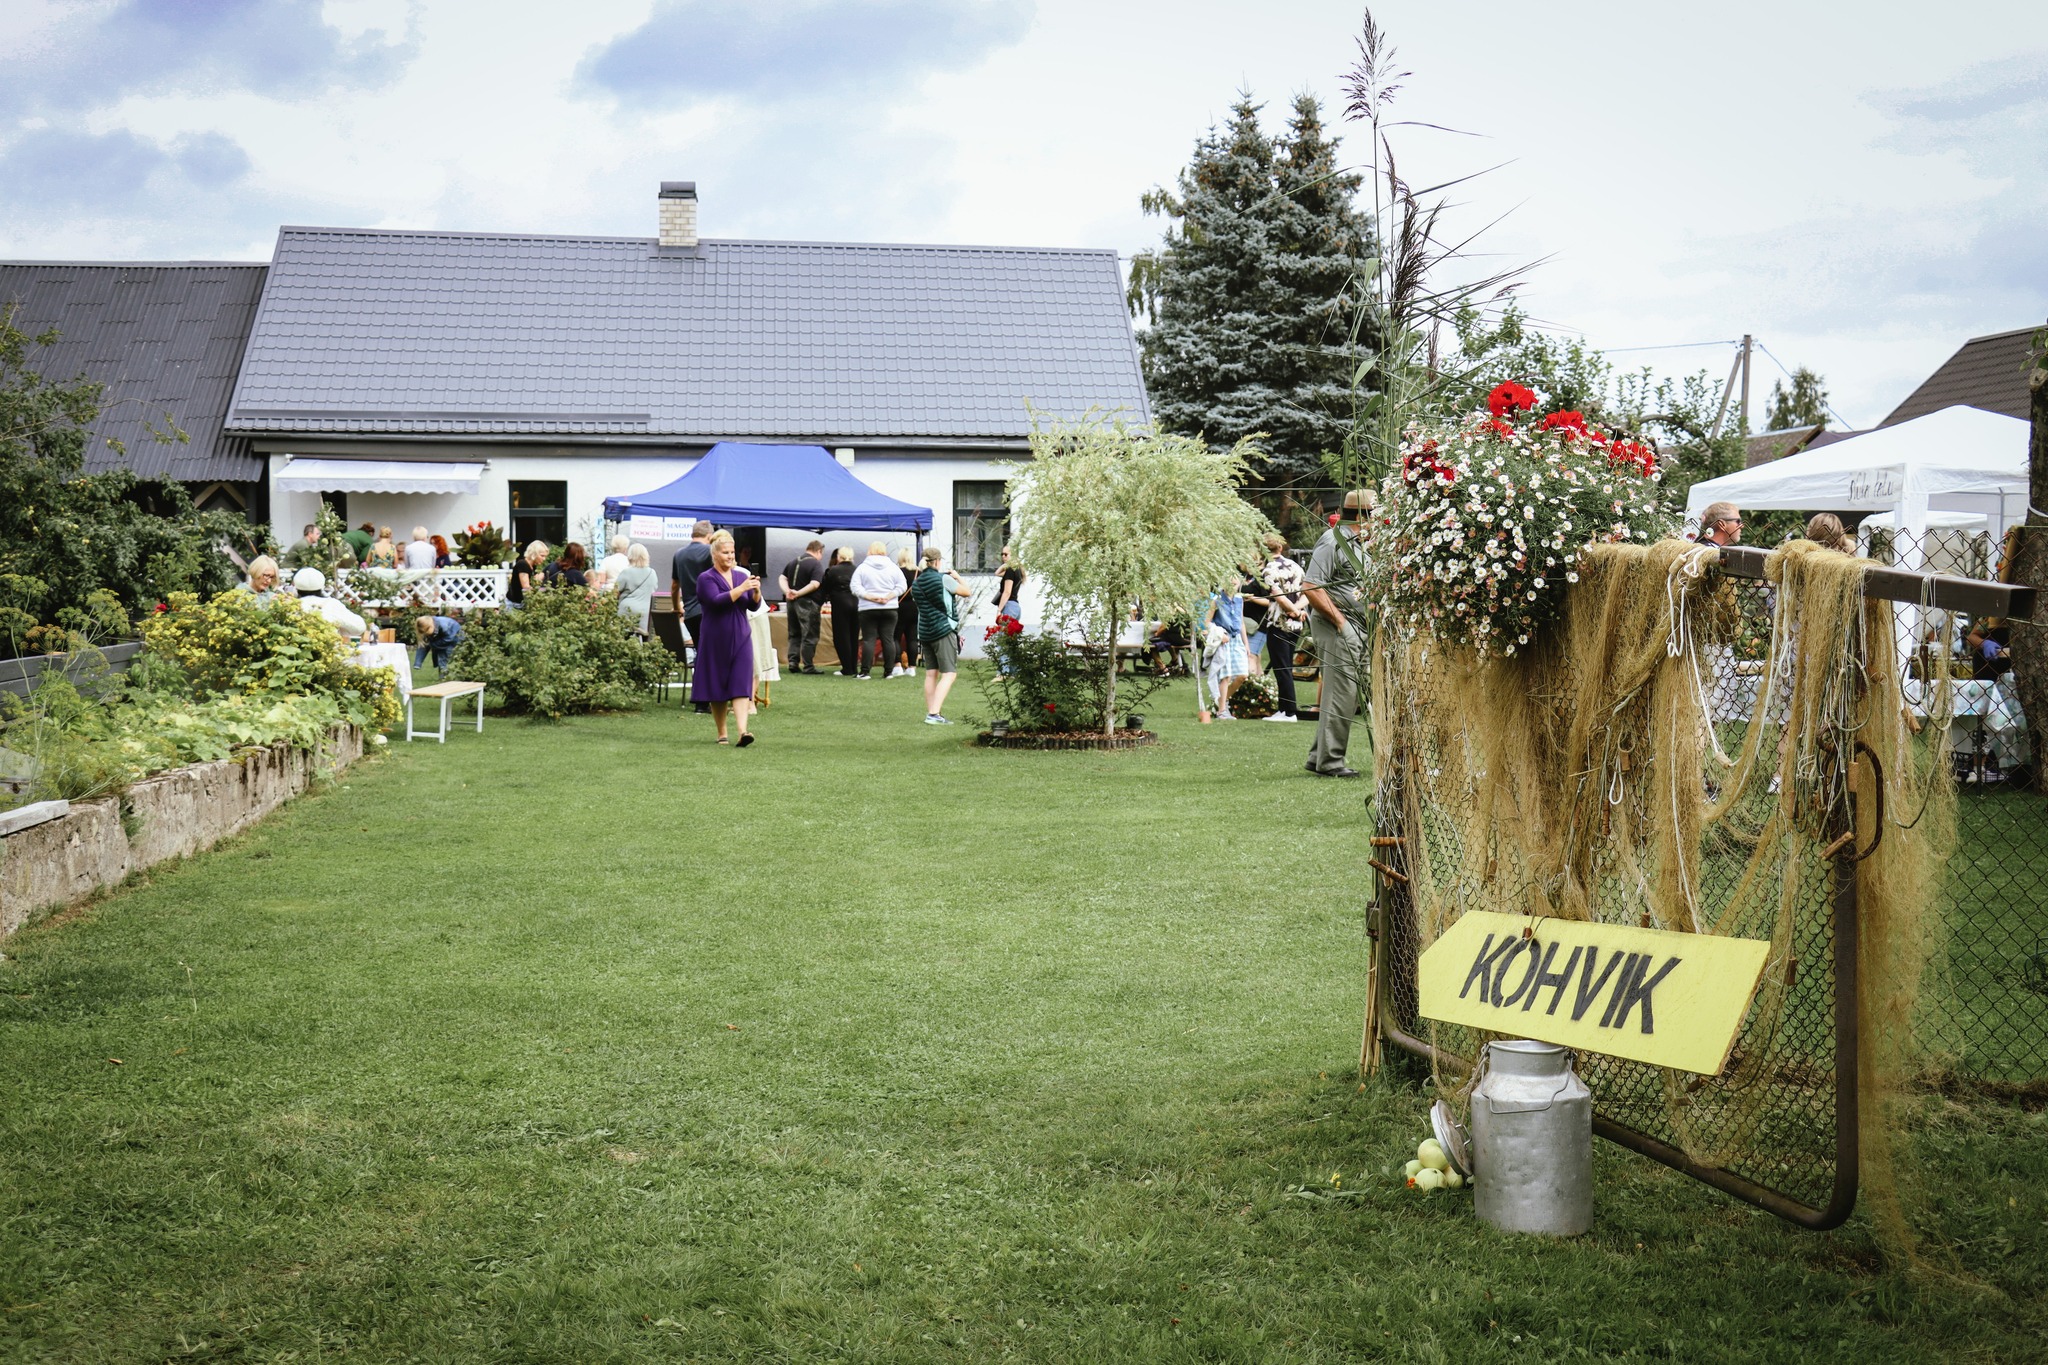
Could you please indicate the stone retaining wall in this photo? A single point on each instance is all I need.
(174, 815)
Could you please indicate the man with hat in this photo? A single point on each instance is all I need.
(311, 585)
(1335, 572)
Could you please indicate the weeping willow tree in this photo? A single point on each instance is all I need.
(1114, 515)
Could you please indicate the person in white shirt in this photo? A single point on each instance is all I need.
(419, 551)
(311, 585)
(877, 586)
(617, 562)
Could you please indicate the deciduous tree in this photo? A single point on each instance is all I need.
(1114, 515)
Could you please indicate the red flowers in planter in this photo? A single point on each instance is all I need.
(1508, 398)
(1573, 423)
(1424, 464)
(1633, 453)
(1005, 625)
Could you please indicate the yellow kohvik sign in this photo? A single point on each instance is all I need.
(1646, 994)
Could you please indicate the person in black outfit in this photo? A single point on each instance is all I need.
(689, 562)
(845, 611)
(803, 596)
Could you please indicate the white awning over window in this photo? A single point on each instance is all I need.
(308, 475)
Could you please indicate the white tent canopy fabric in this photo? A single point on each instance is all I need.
(1959, 459)
(310, 475)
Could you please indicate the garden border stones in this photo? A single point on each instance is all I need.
(1122, 739)
(173, 815)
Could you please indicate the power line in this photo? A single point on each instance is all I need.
(1846, 424)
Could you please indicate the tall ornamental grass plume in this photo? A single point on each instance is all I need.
(1114, 516)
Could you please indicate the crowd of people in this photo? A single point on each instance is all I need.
(888, 617)
(892, 616)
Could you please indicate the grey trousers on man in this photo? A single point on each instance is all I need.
(1340, 655)
(803, 632)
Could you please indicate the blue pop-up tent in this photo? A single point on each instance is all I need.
(736, 484)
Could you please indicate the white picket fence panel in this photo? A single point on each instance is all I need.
(409, 588)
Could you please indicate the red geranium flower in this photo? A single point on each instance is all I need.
(1051, 707)
(1509, 397)
(1500, 428)
(1566, 421)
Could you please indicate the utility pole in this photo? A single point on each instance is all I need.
(1748, 342)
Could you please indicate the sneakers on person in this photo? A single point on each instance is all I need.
(899, 672)
(1283, 717)
(931, 719)
(865, 677)
(1225, 715)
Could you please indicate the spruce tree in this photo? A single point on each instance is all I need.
(1251, 294)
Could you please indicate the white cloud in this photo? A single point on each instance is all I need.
(1862, 196)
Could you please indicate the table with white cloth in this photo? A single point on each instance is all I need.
(397, 658)
(1987, 718)
(766, 668)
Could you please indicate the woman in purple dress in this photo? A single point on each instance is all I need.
(725, 639)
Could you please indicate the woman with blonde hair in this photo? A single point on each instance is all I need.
(619, 560)
(383, 554)
(636, 584)
(1825, 530)
(526, 574)
(263, 580)
(724, 675)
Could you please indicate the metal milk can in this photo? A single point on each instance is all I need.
(1532, 1140)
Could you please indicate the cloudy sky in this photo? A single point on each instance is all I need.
(1862, 195)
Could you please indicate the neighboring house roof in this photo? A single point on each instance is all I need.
(1776, 445)
(1989, 372)
(614, 338)
(165, 339)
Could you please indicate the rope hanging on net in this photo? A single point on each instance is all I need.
(1602, 775)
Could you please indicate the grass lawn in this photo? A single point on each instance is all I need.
(592, 1042)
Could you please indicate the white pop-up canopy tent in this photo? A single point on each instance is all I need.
(1960, 460)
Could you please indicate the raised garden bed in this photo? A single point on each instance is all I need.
(1068, 739)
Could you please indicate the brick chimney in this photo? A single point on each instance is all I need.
(678, 206)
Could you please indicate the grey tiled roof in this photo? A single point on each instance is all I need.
(165, 340)
(435, 332)
(1988, 372)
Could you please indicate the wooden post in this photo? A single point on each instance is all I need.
(2029, 565)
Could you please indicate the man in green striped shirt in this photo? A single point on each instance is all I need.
(933, 590)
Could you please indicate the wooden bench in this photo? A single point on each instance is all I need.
(445, 693)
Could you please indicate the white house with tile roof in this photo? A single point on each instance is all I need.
(441, 378)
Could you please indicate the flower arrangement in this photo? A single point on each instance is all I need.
(1481, 528)
(482, 546)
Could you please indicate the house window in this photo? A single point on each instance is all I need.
(540, 511)
(981, 525)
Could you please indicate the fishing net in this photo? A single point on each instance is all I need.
(1681, 753)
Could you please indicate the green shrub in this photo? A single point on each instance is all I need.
(1035, 682)
(233, 645)
(84, 746)
(564, 653)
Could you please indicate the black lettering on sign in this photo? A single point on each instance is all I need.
(1629, 969)
(1589, 989)
(1530, 974)
(1635, 990)
(1483, 965)
(1546, 977)
(1500, 979)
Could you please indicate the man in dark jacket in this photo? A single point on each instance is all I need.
(803, 584)
(690, 561)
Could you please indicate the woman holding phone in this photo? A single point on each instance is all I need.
(724, 677)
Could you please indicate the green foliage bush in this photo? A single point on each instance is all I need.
(1034, 682)
(85, 746)
(566, 652)
(233, 645)
(83, 554)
